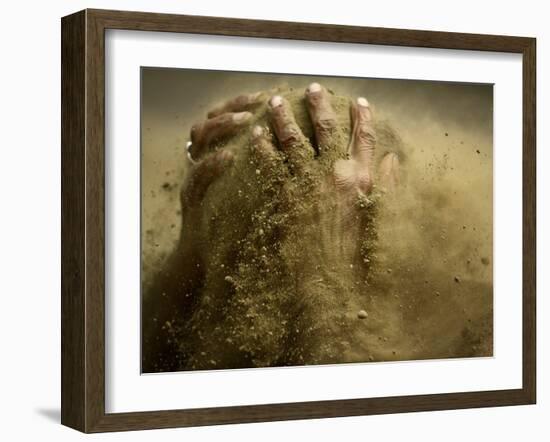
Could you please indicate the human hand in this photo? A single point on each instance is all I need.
(312, 233)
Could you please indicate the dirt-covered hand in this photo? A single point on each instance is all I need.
(172, 295)
(302, 242)
(285, 233)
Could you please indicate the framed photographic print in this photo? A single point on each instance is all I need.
(268, 221)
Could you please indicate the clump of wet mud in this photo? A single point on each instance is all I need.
(285, 274)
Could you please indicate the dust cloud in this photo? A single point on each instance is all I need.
(417, 285)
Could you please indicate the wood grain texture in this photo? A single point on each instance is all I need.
(529, 220)
(145, 21)
(83, 219)
(73, 130)
(95, 221)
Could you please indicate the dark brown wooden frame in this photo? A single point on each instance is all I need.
(83, 216)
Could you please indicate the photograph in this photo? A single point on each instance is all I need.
(250, 221)
(301, 220)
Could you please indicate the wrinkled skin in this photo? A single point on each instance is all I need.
(320, 204)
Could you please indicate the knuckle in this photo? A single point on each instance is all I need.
(325, 125)
(348, 175)
(241, 102)
(366, 136)
(289, 135)
(196, 132)
(365, 183)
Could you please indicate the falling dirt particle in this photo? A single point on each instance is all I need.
(362, 314)
(389, 270)
(446, 134)
(478, 151)
(437, 294)
(485, 261)
(457, 279)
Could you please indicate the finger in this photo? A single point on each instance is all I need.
(352, 175)
(267, 160)
(363, 137)
(291, 139)
(322, 115)
(388, 172)
(239, 104)
(262, 147)
(205, 133)
(203, 175)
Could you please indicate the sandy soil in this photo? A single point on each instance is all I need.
(288, 278)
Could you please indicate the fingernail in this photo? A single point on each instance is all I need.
(239, 117)
(362, 101)
(188, 149)
(276, 101)
(257, 132)
(314, 87)
(394, 160)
